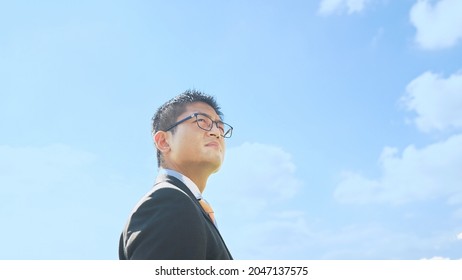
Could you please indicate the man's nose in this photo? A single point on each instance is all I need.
(215, 131)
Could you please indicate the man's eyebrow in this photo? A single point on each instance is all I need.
(205, 114)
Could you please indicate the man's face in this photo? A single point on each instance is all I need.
(192, 147)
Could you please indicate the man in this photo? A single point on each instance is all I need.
(173, 221)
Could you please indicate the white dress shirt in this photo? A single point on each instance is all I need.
(188, 182)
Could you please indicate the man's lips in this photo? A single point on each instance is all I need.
(213, 144)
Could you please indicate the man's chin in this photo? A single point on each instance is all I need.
(216, 170)
(215, 166)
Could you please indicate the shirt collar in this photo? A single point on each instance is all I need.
(188, 182)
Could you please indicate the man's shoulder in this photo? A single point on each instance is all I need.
(163, 206)
(166, 197)
(167, 185)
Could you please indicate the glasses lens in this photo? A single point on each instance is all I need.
(228, 131)
(206, 123)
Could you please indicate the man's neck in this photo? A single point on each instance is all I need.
(199, 178)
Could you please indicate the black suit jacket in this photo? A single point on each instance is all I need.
(167, 224)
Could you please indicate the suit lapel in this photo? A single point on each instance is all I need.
(176, 182)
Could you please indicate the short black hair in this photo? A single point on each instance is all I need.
(168, 113)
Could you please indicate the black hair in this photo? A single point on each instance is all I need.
(168, 113)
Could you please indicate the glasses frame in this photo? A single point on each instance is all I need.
(225, 134)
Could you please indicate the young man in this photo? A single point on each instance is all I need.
(173, 221)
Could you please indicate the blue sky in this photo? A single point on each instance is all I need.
(347, 117)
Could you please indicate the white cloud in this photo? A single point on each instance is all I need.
(254, 199)
(257, 171)
(457, 214)
(459, 236)
(436, 100)
(275, 236)
(254, 189)
(417, 174)
(377, 37)
(328, 7)
(374, 241)
(39, 169)
(455, 199)
(437, 258)
(438, 25)
(430, 173)
(61, 193)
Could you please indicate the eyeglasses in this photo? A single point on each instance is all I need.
(206, 123)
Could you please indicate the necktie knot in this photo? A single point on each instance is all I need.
(208, 209)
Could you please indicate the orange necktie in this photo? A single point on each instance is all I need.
(208, 209)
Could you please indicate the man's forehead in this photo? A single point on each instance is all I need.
(203, 108)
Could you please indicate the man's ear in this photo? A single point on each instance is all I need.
(161, 141)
